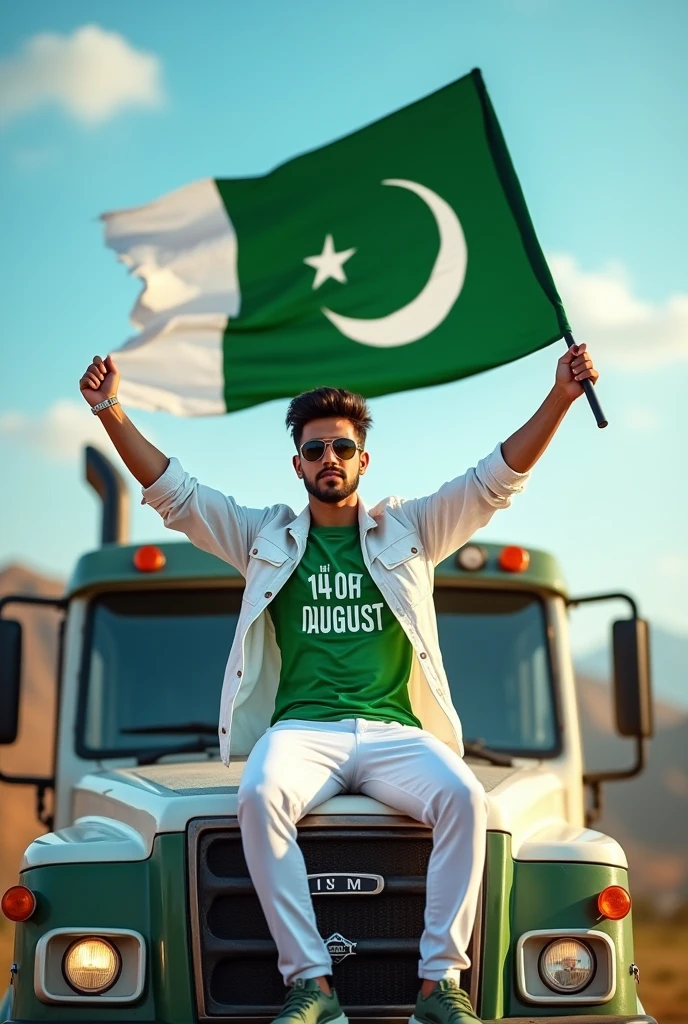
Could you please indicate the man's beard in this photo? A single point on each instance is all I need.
(332, 492)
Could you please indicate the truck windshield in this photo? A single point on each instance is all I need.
(156, 658)
(497, 659)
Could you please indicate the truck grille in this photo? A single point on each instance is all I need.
(235, 959)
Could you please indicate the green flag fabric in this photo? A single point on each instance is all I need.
(398, 257)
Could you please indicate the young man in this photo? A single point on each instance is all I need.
(335, 679)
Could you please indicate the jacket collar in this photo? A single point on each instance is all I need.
(301, 525)
(365, 520)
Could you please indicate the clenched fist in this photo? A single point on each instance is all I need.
(575, 366)
(100, 381)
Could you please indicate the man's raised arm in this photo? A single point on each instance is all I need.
(211, 520)
(522, 450)
(143, 460)
(450, 516)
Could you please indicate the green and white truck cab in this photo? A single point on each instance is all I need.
(137, 905)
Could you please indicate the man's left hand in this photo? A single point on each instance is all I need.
(573, 368)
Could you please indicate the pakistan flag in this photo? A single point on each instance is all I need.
(398, 257)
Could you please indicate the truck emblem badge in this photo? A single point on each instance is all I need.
(339, 948)
(345, 883)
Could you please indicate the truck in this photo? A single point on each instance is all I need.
(136, 904)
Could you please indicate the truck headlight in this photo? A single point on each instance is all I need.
(567, 965)
(91, 965)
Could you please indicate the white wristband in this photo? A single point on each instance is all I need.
(95, 409)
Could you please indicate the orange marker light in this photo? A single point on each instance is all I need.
(614, 902)
(513, 559)
(149, 559)
(18, 903)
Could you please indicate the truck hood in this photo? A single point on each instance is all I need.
(118, 813)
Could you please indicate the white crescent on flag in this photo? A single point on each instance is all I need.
(433, 304)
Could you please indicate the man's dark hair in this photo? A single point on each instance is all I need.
(326, 402)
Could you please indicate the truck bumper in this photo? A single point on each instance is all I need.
(638, 1018)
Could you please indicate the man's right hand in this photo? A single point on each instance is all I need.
(143, 460)
(100, 380)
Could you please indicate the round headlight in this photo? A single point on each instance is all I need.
(91, 965)
(471, 557)
(567, 965)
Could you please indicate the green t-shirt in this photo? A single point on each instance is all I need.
(344, 653)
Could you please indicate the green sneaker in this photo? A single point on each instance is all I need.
(306, 1003)
(446, 1004)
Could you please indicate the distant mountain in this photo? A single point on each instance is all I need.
(648, 815)
(669, 659)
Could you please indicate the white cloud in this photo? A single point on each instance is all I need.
(60, 432)
(604, 312)
(92, 74)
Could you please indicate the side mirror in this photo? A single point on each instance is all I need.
(10, 679)
(632, 677)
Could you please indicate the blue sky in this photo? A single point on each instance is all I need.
(592, 100)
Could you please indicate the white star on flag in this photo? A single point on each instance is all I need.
(329, 263)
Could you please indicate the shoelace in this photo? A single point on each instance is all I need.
(299, 1001)
(454, 999)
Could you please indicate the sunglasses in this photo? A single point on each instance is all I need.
(343, 447)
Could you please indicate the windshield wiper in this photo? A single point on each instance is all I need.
(476, 748)
(199, 746)
(182, 729)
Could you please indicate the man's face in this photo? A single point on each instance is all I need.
(330, 479)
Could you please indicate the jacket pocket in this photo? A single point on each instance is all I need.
(265, 558)
(409, 571)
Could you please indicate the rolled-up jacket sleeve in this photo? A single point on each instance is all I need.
(210, 519)
(450, 516)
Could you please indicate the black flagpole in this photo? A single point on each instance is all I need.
(589, 389)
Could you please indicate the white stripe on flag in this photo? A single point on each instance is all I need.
(184, 248)
(176, 368)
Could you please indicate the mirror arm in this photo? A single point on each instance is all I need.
(45, 817)
(573, 602)
(42, 786)
(594, 813)
(52, 602)
(596, 778)
(42, 783)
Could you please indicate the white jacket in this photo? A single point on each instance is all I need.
(401, 540)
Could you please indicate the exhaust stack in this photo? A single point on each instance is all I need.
(110, 487)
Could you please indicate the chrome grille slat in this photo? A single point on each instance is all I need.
(235, 959)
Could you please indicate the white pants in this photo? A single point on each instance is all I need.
(297, 765)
